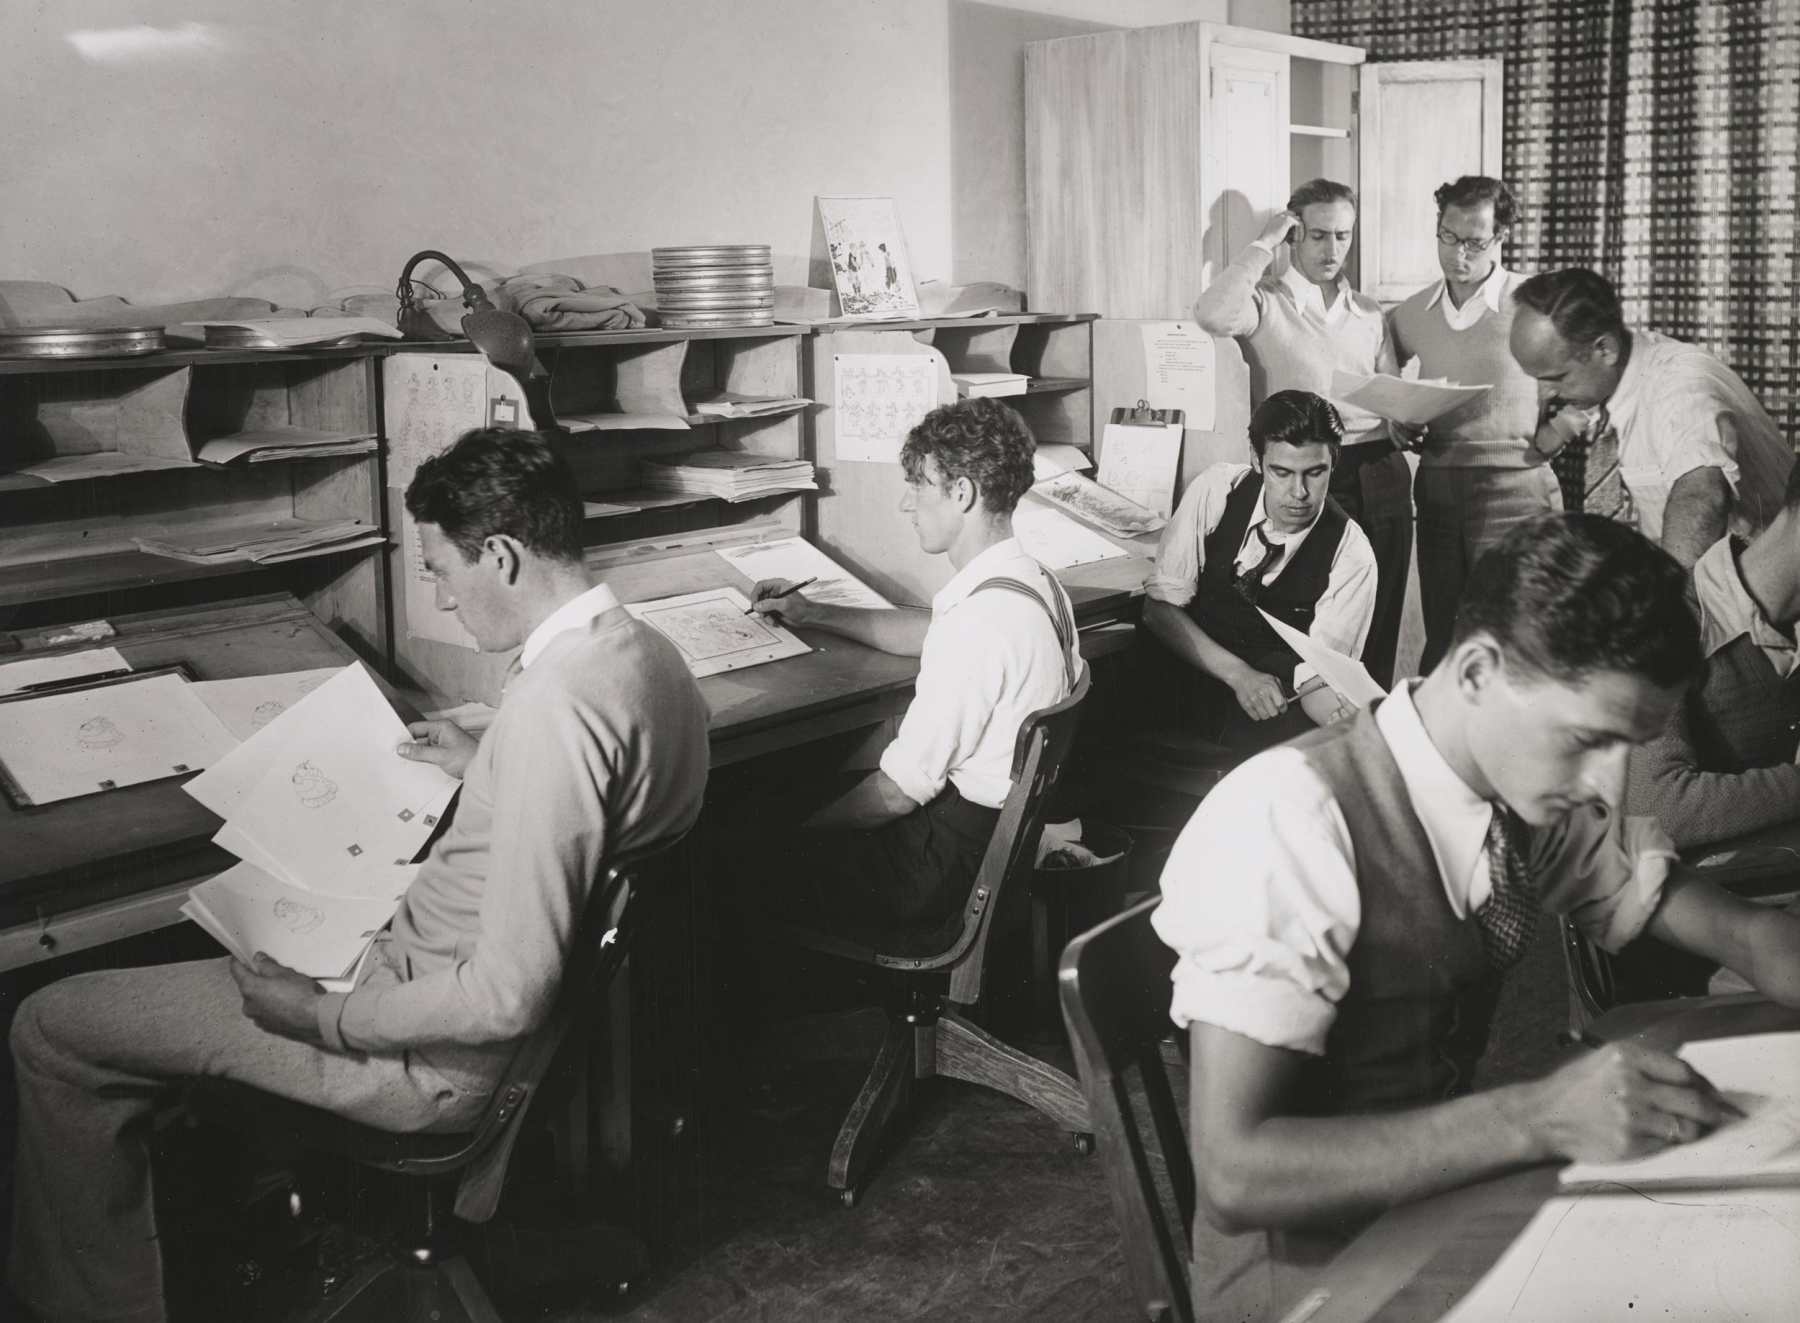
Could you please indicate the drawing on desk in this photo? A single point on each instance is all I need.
(250, 702)
(1097, 505)
(315, 789)
(300, 919)
(99, 733)
(712, 632)
(795, 559)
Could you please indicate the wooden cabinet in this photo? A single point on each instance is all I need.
(70, 521)
(859, 521)
(1153, 155)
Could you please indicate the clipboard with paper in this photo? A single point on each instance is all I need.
(1140, 456)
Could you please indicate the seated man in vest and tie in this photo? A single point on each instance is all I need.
(1345, 908)
(1254, 538)
(900, 846)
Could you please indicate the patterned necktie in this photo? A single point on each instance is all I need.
(1587, 470)
(1249, 582)
(1509, 919)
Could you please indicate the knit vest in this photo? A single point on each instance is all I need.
(1493, 431)
(1408, 1032)
(1229, 618)
(1291, 350)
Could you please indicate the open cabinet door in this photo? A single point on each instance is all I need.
(1421, 123)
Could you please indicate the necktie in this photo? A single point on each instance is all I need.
(1587, 470)
(1509, 918)
(1249, 581)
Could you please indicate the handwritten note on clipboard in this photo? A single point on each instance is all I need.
(1140, 456)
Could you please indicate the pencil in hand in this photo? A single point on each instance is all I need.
(789, 591)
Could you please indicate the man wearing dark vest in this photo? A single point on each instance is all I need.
(1346, 906)
(903, 843)
(1725, 763)
(1253, 538)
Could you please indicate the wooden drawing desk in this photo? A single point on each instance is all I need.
(96, 869)
(1414, 1263)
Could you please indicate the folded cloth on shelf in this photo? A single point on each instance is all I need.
(559, 303)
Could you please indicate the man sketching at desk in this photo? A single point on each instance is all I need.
(599, 749)
(1345, 908)
(903, 844)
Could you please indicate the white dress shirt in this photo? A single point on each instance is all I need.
(575, 613)
(1341, 615)
(1727, 610)
(1311, 299)
(1261, 903)
(1484, 300)
(990, 660)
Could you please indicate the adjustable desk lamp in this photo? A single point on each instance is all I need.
(504, 338)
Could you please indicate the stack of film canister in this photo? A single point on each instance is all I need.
(715, 285)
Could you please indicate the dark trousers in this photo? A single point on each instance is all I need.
(1207, 707)
(1373, 483)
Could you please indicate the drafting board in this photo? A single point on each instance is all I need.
(103, 736)
(713, 633)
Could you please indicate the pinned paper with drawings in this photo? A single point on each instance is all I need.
(1399, 400)
(247, 704)
(1057, 542)
(796, 560)
(1141, 463)
(879, 398)
(16, 676)
(1349, 677)
(118, 733)
(429, 401)
(419, 591)
(1179, 371)
(714, 633)
(246, 910)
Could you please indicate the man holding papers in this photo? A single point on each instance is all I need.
(599, 749)
(1345, 909)
(1253, 539)
(1297, 330)
(1479, 474)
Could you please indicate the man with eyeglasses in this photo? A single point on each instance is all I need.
(1299, 327)
(1479, 474)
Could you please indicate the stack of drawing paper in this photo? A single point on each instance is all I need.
(327, 819)
(262, 542)
(262, 445)
(732, 475)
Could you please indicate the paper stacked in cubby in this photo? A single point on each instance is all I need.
(327, 819)
(263, 542)
(732, 475)
(281, 441)
(733, 404)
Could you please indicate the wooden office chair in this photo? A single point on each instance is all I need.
(437, 1283)
(1593, 989)
(932, 1035)
(1114, 981)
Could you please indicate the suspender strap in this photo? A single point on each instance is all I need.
(1060, 619)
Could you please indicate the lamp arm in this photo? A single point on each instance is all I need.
(474, 296)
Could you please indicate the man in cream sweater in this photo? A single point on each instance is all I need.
(599, 749)
(1297, 329)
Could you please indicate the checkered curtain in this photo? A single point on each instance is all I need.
(1656, 141)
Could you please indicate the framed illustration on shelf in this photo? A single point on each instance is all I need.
(868, 257)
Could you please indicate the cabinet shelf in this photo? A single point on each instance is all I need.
(1055, 385)
(116, 571)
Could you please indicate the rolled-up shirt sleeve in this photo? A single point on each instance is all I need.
(962, 675)
(1604, 870)
(1261, 906)
(1181, 551)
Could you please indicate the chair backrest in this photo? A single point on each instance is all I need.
(1039, 754)
(602, 941)
(1114, 981)
(1592, 988)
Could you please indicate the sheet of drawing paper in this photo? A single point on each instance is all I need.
(714, 632)
(1347, 675)
(57, 746)
(1086, 499)
(879, 398)
(1758, 1072)
(797, 560)
(1411, 402)
(429, 401)
(1141, 463)
(1049, 460)
(1057, 541)
(247, 704)
(222, 786)
(419, 590)
(1179, 367)
(1725, 1256)
(14, 676)
(337, 800)
(320, 936)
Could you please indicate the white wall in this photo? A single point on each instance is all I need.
(289, 149)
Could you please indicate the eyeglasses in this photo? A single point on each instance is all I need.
(1469, 247)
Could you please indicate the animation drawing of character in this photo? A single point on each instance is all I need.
(315, 789)
(300, 919)
(99, 733)
(266, 712)
(893, 274)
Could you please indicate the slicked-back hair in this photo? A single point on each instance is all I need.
(1582, 305)
(493, 481)
(981, 439)
(1297, 417)
(1567, 596)
(1472, 191)
(1315, 191)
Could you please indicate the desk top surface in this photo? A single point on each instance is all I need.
(1415, 1262)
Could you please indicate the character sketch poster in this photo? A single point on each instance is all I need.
(868, 257)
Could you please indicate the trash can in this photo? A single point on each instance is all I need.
(1067, 901)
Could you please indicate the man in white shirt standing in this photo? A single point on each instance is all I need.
(1345, 907)
(1641, 427)
(903, 844)
(1252, 538)
(1297, 329)
(1478, 472)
